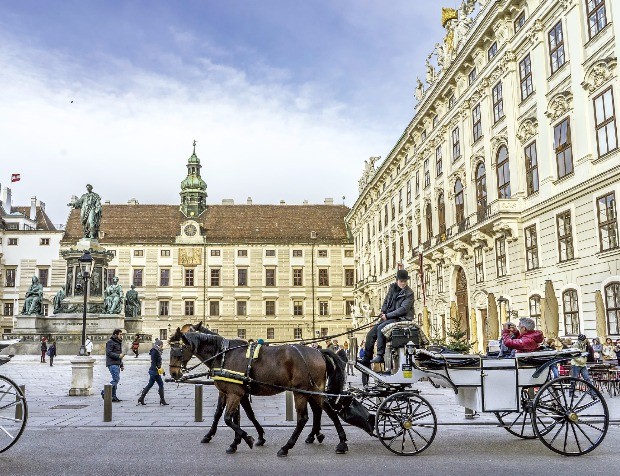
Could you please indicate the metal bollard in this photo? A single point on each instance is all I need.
(19, 409)
(290, 406)
(107, 403)
(198, 403)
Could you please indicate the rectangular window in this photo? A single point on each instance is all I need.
(322, 253)
(427, 282)
(531, 168)
(563, 148)
(214, 308)
(8, 308)
(270, 276)
(423, 135)
(189, 277)
(298, 253)
(216, 252)
(525, 76)
(137, 277)
(241, 333)
(113, 252)
(163, 334)
(242, 253)
(349, 253)
(498, 102)
(270, 308)
(323, 277)
(531, 248)
(270, 252)
(138, 253)
(520, 21)
(597, 16)
(215, 277)
(472, 76)
(393, 208)
(565, 236)
(417, 184)
(110, 273)
(271, 333)
(324, 331)
(500, 255)
(298, 333)
(348, 307)
(440, 278)
(349, 277)
(479, 264)
(242, 277)
(476, 117)
(435, 119)
(556, 47)
(12, 242)
(408, 192)
(164, 277)
(164, 308)
(456, 144)
(605, 118)
(298, 308)
(44, 242)
(607, 221)
(492, 51)
(571, 312)
(438, 161)
(323, 308)
(164, 253)
(189, 308)
(43, 276)
(400, 205)
(451, 101)
(297, 277)
(427, 173)
(242, 308)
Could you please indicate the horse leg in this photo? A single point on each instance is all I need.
(231, 418)
(317, 412)
(249, 411)
(237, 420)
(221, 402)
(342, 447)
(301, 405)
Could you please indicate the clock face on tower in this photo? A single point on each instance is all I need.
(190, 230)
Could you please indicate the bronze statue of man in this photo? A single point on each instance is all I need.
(34, 298)
(90, 212)
(133, 307)
(60, 295)
(113, 302)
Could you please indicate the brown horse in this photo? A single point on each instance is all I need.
(276, 369)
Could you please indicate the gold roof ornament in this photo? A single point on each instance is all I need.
(448, 14)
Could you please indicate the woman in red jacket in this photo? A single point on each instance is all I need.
(526, 339)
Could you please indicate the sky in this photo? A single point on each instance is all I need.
(285, 98)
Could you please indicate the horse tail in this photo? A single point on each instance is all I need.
(336, 376)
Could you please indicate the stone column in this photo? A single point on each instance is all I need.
(81, 376)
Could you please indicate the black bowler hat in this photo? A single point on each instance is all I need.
(402, 275)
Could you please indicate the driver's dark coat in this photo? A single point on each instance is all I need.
(398, 304)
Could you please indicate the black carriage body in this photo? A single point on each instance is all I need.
(401, 336)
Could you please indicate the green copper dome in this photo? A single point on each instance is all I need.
(193, 182)
(193, 188)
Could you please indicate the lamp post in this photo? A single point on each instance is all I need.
(86, 266)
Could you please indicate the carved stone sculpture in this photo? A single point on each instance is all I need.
(90, 212)
(419, 90)
(113, 302)
(34, 297)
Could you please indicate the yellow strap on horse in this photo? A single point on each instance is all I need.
(226, 375)
(256, 351)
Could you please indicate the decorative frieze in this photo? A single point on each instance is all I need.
(527, 129)
(599, 73)
(559, 105)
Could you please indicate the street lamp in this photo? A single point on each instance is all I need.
(86, 267)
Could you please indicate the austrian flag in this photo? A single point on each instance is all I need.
(15, 177)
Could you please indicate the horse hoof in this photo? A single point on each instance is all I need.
(320, 437)
(342, 448)
(260, 441)
(310, 439)
(283, 452)
(250, 441)
(231, 450)
(206, 439)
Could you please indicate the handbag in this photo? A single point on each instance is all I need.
(161, 371)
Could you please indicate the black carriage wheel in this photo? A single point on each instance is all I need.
(13, 413)
(570, 416)
(406, 423)
(520, 423)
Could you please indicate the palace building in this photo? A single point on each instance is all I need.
(276, 272)
(508, 174)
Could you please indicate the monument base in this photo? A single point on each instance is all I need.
(81, 376)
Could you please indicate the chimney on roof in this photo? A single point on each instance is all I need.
(249, 200)
(132, 201)
(228, 201)
(33, 208)
(305, 202)
(6, 199)
(329, 201)
(107, 202)
(282, 202)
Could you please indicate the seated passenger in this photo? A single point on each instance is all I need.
(526, 339)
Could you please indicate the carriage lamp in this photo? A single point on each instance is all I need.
(86, 267)
(410, 346)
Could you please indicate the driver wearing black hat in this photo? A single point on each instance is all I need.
(398, 305)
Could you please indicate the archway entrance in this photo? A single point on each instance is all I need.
(462, 300)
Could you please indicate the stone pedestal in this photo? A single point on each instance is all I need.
(81, 376)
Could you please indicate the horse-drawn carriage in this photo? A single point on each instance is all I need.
(13, 407)
(567, 415)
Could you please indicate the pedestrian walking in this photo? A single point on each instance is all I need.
(135, 345)
(350, 359)
(43, 349)
(89, 345)
(114, 360)
(51, 352)
(155, 373)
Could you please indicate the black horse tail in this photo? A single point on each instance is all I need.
(336, 376)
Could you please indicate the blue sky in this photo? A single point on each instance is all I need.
(285, 98)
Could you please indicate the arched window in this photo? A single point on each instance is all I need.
(459, 201)
(571, 312)
(535, 308)
(429, 221)
(441, 212)
(503, 173)
(612, 303)
(481, 190)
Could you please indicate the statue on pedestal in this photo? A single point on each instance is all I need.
(113, 302)
(34, 297)
(60, 295)
(90, 212)
(133, 307)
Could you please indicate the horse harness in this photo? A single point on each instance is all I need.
(223, 374)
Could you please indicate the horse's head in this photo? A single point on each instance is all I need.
(181, 351)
